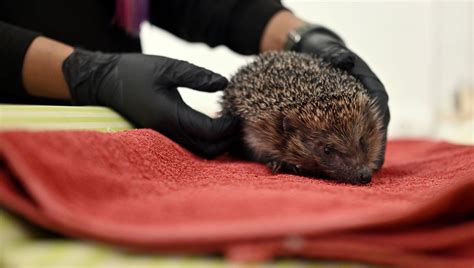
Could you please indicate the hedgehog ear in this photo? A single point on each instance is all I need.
(286, 125)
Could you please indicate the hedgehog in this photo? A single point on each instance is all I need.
(302, 116)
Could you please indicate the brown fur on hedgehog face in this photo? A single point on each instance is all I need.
(341, 140)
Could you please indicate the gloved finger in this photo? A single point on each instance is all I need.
(345, 61)
(376, 91)
(374, 86)
(202, 148)
(185, 74)
(379, 163)
(210, 150)
(339, 56)
(201, 126)
(386, 118)
(361, 69)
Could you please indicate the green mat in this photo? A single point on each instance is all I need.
(22, 246)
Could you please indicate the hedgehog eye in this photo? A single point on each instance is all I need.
(327, 150)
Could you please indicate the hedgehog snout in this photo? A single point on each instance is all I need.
(365, 176)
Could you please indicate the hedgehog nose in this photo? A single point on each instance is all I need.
(365, 176)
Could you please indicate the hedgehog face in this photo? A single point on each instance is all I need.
(343, 142)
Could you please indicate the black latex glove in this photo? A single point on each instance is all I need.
(143, 89)
(329, 46)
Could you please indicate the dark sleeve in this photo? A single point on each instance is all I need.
(14, 41)
(238, 24)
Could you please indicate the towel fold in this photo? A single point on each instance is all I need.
(140, 190)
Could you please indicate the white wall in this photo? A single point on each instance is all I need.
(454, 48)
(421, 50)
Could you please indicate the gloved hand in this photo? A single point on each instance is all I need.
(323, 42)
(143, 89)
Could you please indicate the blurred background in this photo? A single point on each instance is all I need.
(423, 51)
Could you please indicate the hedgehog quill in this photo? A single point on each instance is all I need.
(301, 115)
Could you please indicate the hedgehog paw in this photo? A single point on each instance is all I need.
(275, 166)
(296, 169)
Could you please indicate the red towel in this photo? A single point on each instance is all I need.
(140, 190)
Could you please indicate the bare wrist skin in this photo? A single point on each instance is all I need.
(42, 68)
(276, 32)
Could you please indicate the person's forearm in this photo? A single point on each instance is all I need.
(276, 32)
(42, 68)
